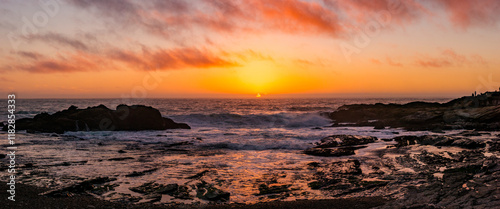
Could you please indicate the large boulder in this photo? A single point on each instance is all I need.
(99, 118)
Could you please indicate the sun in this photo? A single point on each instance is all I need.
(258, 95)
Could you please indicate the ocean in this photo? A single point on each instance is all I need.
(240, 142)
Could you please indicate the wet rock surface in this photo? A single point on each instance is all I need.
(429, 171)
(99, 118)
(436, 140)
(96, 186)
(457, 170)
(339, 145)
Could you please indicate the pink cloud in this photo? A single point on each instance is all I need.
(465, 13)
(147, 59)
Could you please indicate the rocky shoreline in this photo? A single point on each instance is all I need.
(417, 116)
(410, 169)
(428, 171)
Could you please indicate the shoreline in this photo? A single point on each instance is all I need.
(27, 196)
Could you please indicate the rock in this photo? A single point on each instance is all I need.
(91, 184)
(265, 189)
(337, 175)
(142, 173)
(2, 156)
(120, 158)
(339, 145)
(438, 141)
(470, 133)
(146, 188)
(198, 175)
(345, 167)
(155, 189)
(332, 152)
(494, 146)
(422, 115)
(209, 192)
(121, 151)
(182, 193)
(152, 187)
(344, 140)
(169, 189)
(99, 118)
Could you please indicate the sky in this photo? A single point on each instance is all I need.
(241, 48)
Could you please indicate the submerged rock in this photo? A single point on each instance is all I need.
(99, 118)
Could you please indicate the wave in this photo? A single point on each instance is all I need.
(291, 120)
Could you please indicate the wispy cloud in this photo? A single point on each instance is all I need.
(146, 59)
(56, 38)
(449, 58)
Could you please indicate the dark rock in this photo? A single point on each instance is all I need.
(141, 173)
(79, 188)
(438, 141)
(168, 189)
(2, 156)
(340, 175)
(470, 133)
(345, 140)
(147, 188)
(100, 118)
(265, 189)
(332, 152)
(182, 193)
(120, 158)
(494, 146)
(198, 175)
(345, 167)
(422, 115)
(151, 188)
(121, 151)
(209, 192)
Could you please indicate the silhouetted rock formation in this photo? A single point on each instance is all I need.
(463, 113)
(99, 118)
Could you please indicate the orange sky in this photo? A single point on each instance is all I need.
(282, 48)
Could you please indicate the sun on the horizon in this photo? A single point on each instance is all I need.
(258, 95)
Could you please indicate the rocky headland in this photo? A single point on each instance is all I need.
(99, 118)
(479, 112)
